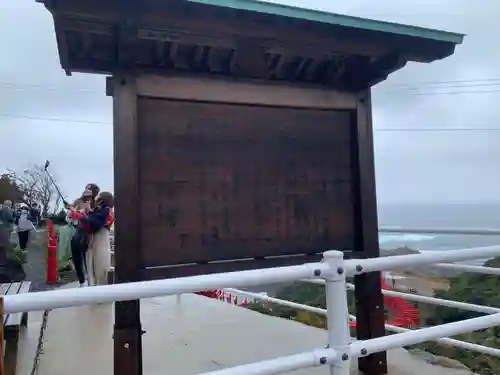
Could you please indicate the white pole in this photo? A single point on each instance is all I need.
(337, 314)
(466, 231)
(359, 266)
(367, 347)
(282, 364)
(38, 301)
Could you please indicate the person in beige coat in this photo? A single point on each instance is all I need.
(81, 206)
(98, 255)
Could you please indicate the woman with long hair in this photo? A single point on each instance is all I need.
(87, 200)
(98, 255)
(80, 208)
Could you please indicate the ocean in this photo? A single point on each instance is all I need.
(434, 216)
(485, 215)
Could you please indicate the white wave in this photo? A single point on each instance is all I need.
(404, 238)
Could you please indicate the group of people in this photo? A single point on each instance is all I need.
(84, 241)
(24, 219)
(86, 238)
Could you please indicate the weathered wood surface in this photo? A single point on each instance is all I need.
(221, 182)
(127, 330)
(369, 301)
(170, 35)
(253, 92)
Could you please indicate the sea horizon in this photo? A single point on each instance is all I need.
(454, 215)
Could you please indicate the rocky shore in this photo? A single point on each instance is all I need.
(424, 271)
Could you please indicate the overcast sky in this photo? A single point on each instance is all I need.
(426, 166)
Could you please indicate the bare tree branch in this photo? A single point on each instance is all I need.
(35, 187)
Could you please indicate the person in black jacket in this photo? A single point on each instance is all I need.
(35, 215)
(98, 254)
(81, 238)
(99, 216)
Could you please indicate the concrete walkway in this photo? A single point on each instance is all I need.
(29, 341)
(185, 336)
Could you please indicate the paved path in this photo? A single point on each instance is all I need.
(189, 336)
(36, 264)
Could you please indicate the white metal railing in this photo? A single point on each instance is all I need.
(391, 328)
(423, 299)
(432, 257)
(433, 230)
(332, 271)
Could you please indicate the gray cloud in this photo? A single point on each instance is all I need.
(411, 166)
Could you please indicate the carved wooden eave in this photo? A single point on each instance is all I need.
(240, 38)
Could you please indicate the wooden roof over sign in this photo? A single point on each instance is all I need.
(242, 38)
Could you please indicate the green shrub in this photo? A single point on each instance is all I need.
(57, 219)
(15, 253)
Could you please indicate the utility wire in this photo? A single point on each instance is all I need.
(52, 119)
(412, 88)
(437, 129)
(477, 80)
(487, 85)
(457, 92)
(24, 87)
(448, 86)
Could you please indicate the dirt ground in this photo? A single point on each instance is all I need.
(421, 285)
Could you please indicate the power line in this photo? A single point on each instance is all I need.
(52, 119)
(437, 88)
(457, 92)
(419, 88)
(448, 86)
(23, 87)
(452, 81)
(436, 129)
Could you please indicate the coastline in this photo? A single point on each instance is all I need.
(423, 280)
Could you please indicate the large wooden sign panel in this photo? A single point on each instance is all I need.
(222, 182)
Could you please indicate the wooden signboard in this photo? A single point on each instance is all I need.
(224, 184)
(228, 182)
(242, 137)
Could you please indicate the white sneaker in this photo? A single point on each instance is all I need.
(82, 285)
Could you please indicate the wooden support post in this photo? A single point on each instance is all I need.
(127, 329)
(368, 293)
(2, 338)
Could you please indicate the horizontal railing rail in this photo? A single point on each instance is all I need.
(60, 298)
(391, 328)
(359, 266)
(423, 299)
(469, 268)
(333, 271)
(429, 230)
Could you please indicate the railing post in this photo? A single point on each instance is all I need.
(337, 314)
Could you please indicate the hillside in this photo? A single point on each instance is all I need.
(423, 271)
